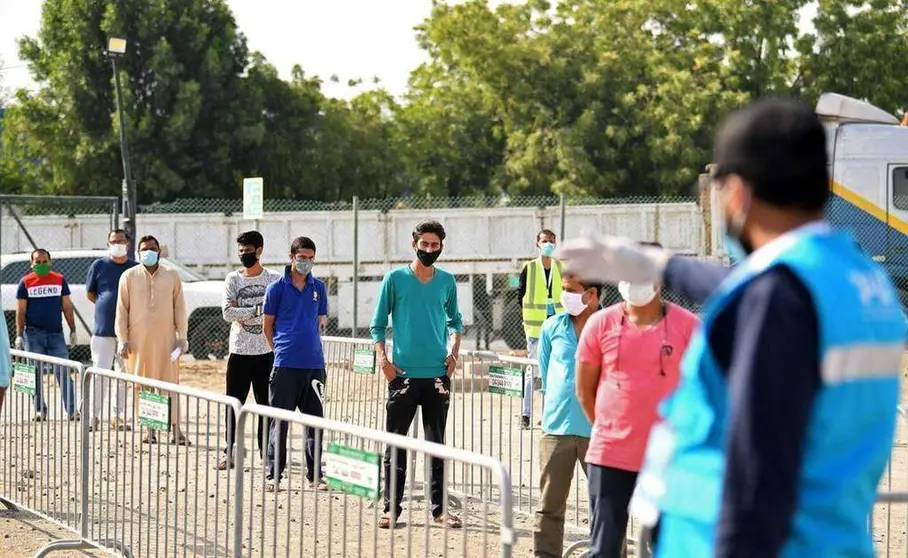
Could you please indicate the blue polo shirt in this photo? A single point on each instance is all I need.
(297, 339)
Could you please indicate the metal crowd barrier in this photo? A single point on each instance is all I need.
(300, 519)
(40, 452)
(151, 482)
(484, 417)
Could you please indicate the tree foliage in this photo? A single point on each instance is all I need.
(585, 97)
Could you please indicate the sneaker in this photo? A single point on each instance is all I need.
(225, 463)
(525, 422)
(40, 417)
(271, 485)
(95, 424)
(75, 416)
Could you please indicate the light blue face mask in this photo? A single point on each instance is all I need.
(148, 257)
(732, 235)
(736, 252)
(546, 249)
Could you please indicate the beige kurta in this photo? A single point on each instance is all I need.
(151, 316)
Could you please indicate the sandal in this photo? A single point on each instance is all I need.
(385, 522)
(150, 438)
(271, 485)
(225, 463)
(452, 521)
(180, 440)
(321, 486)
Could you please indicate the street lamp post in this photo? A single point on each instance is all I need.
(117, 48)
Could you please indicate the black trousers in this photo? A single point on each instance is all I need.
(404, 396)
(610, 495)
(243, 372)
(303, 389)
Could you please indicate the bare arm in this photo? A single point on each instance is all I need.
(92, 297)
(21, 306)
(68, 313)
(268, 330)
(587, 382)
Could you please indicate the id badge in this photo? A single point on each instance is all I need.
(651, 481)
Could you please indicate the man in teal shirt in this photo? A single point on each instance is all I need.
(422, 301)
(566, 430)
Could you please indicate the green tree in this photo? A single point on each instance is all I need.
(858, 49)
(186, 117)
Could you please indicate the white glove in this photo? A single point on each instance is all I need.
(17, 344)
(72, 339)
(182, 345)
(612, 259)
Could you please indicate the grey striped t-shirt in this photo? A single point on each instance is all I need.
(246, 337)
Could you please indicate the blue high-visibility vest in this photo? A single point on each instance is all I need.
(852, 423)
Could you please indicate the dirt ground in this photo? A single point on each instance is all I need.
(167, 499)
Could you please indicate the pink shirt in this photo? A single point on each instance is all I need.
(639, 367)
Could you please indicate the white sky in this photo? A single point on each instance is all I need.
(350, 38)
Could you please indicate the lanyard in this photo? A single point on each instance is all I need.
(665, 349)
(548, 278)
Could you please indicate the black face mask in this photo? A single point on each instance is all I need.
(427, 258)
(248, 259)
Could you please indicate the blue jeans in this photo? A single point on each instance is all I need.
(50, 343)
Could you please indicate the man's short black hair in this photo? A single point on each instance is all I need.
(148, 238)
(429, 227)
(600, 287)
(778, 147)
(251, 238)
(301, 243)
(38, 251)
(545, 232)
(118, 231)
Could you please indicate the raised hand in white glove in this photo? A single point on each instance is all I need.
(612, 259)
(17, 344)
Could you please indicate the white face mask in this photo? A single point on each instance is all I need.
(573, 303)
(116, 250)
(637, 294)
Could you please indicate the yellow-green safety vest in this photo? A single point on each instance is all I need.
(536, 299)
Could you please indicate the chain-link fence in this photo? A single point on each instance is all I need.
(489, 239)
(74, 230)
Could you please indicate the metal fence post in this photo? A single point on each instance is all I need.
(355, 267)
(563, 204)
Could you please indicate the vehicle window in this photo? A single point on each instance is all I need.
(900, 188)
(12, 273)
(185, 274)
(75, 270)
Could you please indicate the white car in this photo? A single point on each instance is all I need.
(208, 331)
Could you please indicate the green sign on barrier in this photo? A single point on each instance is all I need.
(353, 471)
